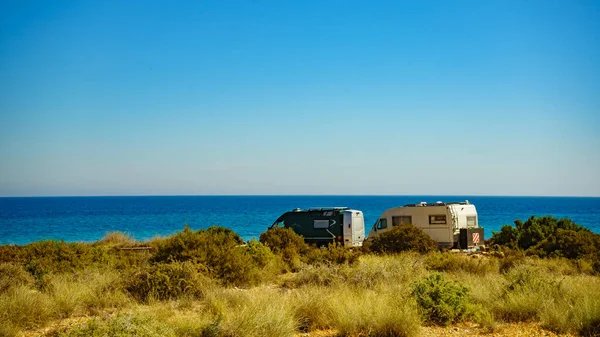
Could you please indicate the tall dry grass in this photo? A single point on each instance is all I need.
(125, 293)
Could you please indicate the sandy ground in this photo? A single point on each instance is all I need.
(463, 329)
(471, 330)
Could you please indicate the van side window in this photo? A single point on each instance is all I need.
(401, 220)
(437, 219)
(382, 223)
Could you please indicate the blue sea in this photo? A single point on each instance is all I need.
(24, 220)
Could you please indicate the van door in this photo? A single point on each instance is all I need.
(354, 228)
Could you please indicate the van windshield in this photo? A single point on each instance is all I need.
(381, 223)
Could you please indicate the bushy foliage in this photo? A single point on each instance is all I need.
(260, 254)
(286, 243)
(12, 275)
(571, 244)
(402, 238)
(117, 239)
(441, 301)
(533, 231)
(164, 281)
(549, 236)
(221, 253)
(54, 256)
(197, 246)
(334, 253)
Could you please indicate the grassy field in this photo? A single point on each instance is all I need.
(206, 283)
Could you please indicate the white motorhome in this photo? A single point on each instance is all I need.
(441, 221)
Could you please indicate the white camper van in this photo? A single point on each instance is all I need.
(442, 221)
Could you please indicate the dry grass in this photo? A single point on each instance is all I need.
(368, 298)
(25, 308)
(118, 239)
(386, 312)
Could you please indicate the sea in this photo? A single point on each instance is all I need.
(87, 219)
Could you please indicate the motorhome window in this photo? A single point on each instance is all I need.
(471, 221)
(401, 220)
(321, 223)
(382, 223)
(437, 219)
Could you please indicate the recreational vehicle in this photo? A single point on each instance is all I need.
(326, 225)
(451, 224)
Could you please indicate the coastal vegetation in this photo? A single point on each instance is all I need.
(210, 282)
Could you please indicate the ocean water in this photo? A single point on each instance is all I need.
(24, 220)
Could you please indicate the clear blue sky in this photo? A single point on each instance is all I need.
(299, 97)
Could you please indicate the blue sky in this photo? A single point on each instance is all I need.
(299, 97)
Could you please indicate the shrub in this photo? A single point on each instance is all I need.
(532, 232)
(261, 254)
(12, 275)
(286, 243)
(335, 253)
(403, 238)
(164, 281)
(571, 244)
(116, 239)
(441, 301)
(219, 250)
(200, 246)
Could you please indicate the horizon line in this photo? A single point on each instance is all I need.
(296, 195)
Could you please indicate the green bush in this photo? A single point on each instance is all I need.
(164, 281)
(12, 275)
(286, 243)
(532, 232)
(219, 250)
(549, 237)
(571, 244)
(53, 256)
(441, 301)
(197, 246)
(334, 253)
(261, 254)
(403, 238)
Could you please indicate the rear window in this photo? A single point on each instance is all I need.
(471, 221)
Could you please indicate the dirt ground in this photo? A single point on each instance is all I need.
(464, 329)
(471, 330)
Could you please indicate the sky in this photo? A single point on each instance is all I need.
(300, 97)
